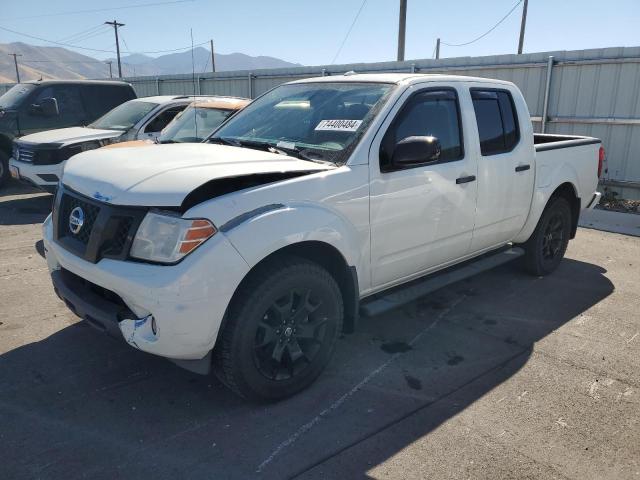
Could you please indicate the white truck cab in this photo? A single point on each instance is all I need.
(38, 159)
(250, 253)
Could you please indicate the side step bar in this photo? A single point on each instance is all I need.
(403, 294)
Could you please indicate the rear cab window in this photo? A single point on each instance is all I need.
(496, 119)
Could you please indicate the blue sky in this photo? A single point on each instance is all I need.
(310, 32)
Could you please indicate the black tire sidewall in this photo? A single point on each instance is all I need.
(251, 305)
(4, 169)
(537, 263)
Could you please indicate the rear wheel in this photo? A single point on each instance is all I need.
(547, 245)
(280, 331)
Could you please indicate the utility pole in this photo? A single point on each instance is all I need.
(402, 27)
(437, 49)
(109, 62)
(115, 26)
(523, 24)
(15, 61)
(213, 60)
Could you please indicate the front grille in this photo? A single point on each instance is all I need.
(106, 232)
(115, 245)
(67, 205)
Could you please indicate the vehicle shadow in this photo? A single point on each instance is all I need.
(25, 210)
(79, 402)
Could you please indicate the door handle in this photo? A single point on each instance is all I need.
(522, 168)
(470, 178)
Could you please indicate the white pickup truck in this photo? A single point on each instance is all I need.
(252, 252)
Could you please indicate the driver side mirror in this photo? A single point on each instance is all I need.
(416, 150)
(47, 108)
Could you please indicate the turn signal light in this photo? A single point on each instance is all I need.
(601, 157)
(198, 232)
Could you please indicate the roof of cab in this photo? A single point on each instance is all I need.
(399, 78)
(161, 99)
(119, 83)
(223, 103)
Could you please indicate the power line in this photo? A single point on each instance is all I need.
(81, 33)
(485, 33)
(355, 19)
(96, 10)
(62, 44)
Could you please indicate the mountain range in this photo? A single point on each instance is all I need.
(38, 62)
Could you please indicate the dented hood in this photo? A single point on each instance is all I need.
(163, 175)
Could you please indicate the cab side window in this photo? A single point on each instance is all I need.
(430, 113)
(163, 119)
(69, 103)
(497, 121)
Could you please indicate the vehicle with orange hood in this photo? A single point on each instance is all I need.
(193, 124)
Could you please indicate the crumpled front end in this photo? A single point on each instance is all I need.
(174, 311)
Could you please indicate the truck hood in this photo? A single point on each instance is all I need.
(163, 175)
(70, 135)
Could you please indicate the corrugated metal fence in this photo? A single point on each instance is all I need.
(584, 92)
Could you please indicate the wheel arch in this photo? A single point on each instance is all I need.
(568, 191)
(328, 257)
(6, 144)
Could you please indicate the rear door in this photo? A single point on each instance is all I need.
(101, 98)
(422, 217)
(505, 166)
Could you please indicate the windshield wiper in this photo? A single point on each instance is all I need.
(225, 141)
(270, 147)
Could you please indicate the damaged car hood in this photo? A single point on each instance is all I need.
(163, 175)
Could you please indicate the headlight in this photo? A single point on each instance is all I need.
(166, 239)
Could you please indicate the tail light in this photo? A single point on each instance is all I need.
(601, 157)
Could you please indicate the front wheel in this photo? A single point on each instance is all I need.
(547, 245)
(4, 168)
(280, 330)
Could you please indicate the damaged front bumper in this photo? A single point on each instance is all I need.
(171, 311)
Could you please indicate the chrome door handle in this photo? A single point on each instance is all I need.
(470, 178)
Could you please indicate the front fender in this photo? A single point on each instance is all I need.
(257, 237)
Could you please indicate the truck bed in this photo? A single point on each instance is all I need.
(547, 141)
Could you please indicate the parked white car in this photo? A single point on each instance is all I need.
(253, 252)
(38, 159)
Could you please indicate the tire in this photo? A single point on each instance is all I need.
(263, 359)
(4, 168)
(547, 245)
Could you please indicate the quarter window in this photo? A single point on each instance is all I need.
(497, 121)
(430, 113)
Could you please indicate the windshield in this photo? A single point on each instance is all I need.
(193, 124)
(124, 116)
(14, 96)
(320, 121)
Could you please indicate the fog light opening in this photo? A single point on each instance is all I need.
(154, 327)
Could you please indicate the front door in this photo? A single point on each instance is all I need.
(423, 216)
(70, 109)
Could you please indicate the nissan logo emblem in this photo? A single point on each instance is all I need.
(76, 220)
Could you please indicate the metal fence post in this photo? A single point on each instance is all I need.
(547, 89)
(324, 72)
(157, 86)
(250, 85)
